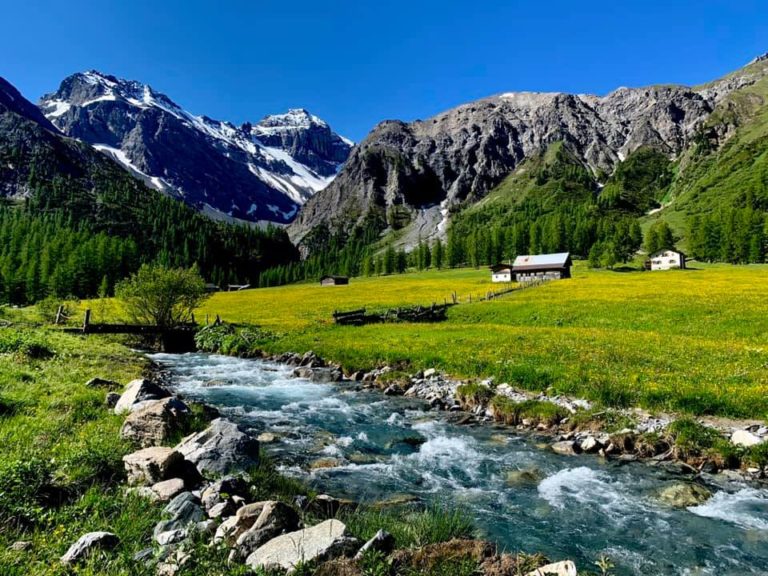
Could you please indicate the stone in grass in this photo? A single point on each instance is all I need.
(153, 465)
(276, 518)
(168, 489)
(101, 383)
(87, 544)
(382, 542)
(137, 393)
(154, 423)
(325, 541)
(111, 399)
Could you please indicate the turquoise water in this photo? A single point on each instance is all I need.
(580, 508)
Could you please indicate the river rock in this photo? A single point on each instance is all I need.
(527, 476)
(311, 360)
(171, 537)
(590, 445)
(326, 541)
(224, 490)
(155, 422)
(220, 448)
(276, 518)
(565, 448)
(565, 568)
(745, 438)
(137, 392)
(153, 465)
(683, 495)
(222, 509)
(168, 489)
(303, 372)
(382, 542)
(231, 529)
(87, 544)
(267, 437)
(184, 511)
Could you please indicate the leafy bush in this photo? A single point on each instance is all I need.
(692, 439)
(231, 340)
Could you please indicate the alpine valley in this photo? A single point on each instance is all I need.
(510, 174)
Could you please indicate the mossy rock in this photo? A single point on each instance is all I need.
(683, 495)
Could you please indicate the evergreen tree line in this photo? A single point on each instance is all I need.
(77, 235)
(44, 256)
(735, 235)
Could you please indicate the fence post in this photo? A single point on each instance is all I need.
(59, 312)
(86, 319)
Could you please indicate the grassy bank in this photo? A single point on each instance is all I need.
(60, 453)
(690, 341)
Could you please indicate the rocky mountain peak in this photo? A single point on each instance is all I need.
(262, 171)
(456, 157)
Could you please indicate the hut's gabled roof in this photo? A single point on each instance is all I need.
(540, 261)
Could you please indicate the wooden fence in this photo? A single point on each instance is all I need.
(434, 313)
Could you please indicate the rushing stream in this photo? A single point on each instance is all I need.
(578, 507)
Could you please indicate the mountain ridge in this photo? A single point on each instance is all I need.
(422, 170)
(253, 172)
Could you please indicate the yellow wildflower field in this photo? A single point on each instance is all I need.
(693, 341)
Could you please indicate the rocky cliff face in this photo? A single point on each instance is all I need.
(252, 172)
(27, 137)
(427, 166)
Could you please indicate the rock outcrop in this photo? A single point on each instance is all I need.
(221, 448)
(424, 168)
(152, 465)
(155, 422)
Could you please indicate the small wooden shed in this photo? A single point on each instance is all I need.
(334, 281)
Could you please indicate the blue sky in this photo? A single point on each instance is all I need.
(356, 63)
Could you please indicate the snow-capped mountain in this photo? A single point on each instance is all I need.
(256, 172)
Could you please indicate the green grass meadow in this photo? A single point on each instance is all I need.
(691, 341)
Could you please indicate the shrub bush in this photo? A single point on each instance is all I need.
(231, 340)
(513, 413)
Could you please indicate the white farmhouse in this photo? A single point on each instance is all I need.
(501, 273)
(666, 259)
